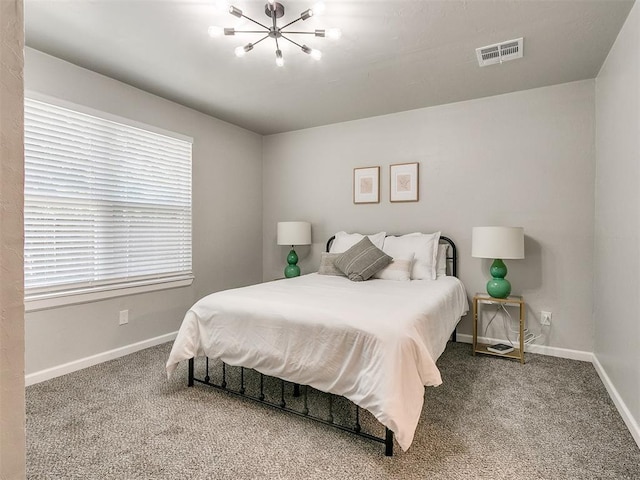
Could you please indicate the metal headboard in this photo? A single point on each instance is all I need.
(452, 253)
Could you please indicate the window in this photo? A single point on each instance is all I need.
(107, 204)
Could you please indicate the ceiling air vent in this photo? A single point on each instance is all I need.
(499, 52)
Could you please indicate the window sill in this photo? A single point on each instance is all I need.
(47, 301)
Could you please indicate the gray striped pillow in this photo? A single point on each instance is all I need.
(362, 261)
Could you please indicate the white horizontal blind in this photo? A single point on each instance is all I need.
(105, 203)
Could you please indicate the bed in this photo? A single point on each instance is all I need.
(334, 335)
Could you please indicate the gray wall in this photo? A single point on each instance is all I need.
(522, 159)
(617, 216)
(12, 434)
(227, 231)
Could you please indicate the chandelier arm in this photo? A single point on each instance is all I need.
(289, 40)
(256, 22)
(297, 33)
(258, 41)
(274, 29)
(291, 23)
(249, 31)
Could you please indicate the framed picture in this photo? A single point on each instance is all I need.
(404, 182)
(366, 185)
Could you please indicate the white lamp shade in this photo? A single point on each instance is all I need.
(497, 242)
(294, 233)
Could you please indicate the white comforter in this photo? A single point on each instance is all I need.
(374, 342)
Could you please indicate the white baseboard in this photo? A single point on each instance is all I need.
(542, 349)
(76, 365)
(626, 415)
(81, 363)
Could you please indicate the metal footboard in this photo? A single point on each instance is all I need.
(281, 404)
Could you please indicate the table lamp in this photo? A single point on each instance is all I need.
(293, 233)
(499, 243)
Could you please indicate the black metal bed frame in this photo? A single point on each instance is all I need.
(282, 405)
(356, 429)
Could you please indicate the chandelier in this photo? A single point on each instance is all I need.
(275, 10)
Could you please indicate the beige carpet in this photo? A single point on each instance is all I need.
(491, 419)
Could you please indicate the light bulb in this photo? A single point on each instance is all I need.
(222, 5)
(215, 31)
(317, 54)
(318, 8)
(240, 51)
(334, 33)
(279, 59)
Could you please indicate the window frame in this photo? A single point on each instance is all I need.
(59, 296)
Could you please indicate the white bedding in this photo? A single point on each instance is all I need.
(374, 342)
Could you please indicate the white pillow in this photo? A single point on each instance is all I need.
(344, 241)
(441, 263)
(398, 269)
(425, 250)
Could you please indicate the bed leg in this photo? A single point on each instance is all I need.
(296, 389)
(191, 372)
(224, 375)
(305, 408)
(388, 442)
(330, 408)
(454, 335)
(282, 402)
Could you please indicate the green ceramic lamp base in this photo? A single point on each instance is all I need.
(498, 286)
(292, 270)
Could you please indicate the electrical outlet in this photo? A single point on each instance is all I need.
(545, 318)
(124, 317)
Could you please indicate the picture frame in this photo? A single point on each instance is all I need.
(404, 182)
(366, 185)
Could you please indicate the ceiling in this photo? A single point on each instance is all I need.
(393, 55)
